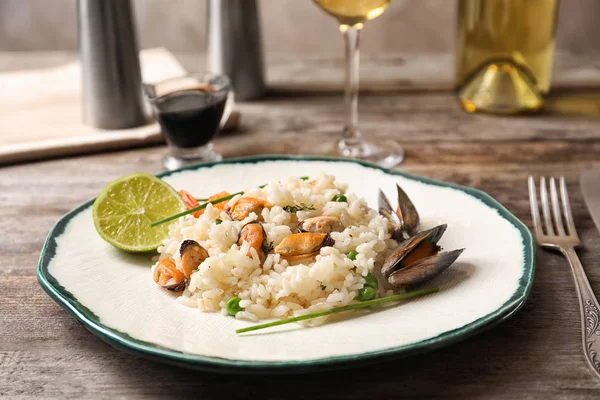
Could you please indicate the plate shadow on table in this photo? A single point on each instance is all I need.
(447, 372)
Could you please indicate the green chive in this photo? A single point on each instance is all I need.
(198, 208)
(192, 210)
(397, 297)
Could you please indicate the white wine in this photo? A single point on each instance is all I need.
(353, 12)
(504, 54)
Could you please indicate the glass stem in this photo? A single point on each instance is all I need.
(352, 40)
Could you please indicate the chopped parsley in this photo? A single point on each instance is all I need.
(298, 207)
(340, 198)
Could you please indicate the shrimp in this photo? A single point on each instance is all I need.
(191, 202)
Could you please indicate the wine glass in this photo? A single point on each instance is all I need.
(352, 14)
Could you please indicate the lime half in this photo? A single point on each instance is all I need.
(126, 207)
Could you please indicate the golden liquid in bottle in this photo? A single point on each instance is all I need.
(353, 12)
(504, 54)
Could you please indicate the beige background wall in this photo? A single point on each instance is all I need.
(288, 26)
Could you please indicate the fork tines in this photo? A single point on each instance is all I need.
(559, 221)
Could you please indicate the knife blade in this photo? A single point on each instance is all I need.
(590, 187)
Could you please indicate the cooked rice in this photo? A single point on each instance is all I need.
(278, 289)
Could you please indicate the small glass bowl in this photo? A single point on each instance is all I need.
(191, 110)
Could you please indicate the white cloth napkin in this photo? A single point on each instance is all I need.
(41, 112)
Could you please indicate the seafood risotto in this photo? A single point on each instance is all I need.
(295, 246)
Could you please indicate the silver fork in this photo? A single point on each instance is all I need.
(557, 231)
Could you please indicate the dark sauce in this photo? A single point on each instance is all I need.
(190, 118)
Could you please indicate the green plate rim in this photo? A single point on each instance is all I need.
(149, 350)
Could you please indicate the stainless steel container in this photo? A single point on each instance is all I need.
(110, 66)
(234, 45)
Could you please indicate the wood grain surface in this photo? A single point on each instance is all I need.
(536, 354)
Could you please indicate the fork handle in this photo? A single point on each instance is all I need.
(589, 310)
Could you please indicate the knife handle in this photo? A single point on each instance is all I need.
(589, 310)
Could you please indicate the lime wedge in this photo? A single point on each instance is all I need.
(124, 210)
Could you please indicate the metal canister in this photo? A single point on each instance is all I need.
(110, 66)
(234, 45)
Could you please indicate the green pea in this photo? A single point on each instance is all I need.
(218, 221)
(233, 306)
(366, 293)
(340, 198)
(371, 281)
(352, 255)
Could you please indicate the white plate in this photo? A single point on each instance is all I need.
(114, 295)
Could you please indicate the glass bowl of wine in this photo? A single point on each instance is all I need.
(191, 109)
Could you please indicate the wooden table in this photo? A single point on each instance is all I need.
(44, 352)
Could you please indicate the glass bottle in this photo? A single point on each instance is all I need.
(504, 57)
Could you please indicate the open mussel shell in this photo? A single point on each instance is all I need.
(395, 260)
(423, 270)
(404, 219)
(385, 209)
(407, 211)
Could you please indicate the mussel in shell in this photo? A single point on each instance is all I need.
(192, 255)
(168, 276)
(246, 205)
(254, 234)
(418, 259)
(403, 220)
(321, 224)
(303, 245)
